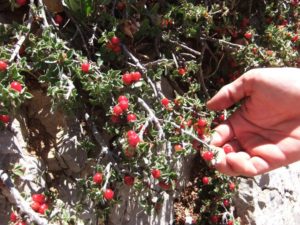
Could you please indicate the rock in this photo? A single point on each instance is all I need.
(270, 199)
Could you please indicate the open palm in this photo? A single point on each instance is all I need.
(264, 132)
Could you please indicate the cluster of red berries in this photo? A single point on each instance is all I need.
(114, 44)
(15, 85)
(130, 78)
(133, 138)
(120, 108)
(108, 193)
(14, 218)
(39, 203)
(156, 174)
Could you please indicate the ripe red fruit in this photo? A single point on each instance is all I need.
(248, 35)
(35, 206)
(117, 110)
(178, 148)
(131, 117)
(133, 140)
(127, 78)
(115, 119)
(16, 86)
(129, 152)
(115, 40)
(165, 186)
(136, 76)
(108, 194)
(44, 207)
(123, 105)
(131, 133)
(202, 122)
(208, 156)
(295, 38)
(85, 67)
(245, 22)
(3, 66)
(21, 223)
(156, 173)
(122, 98)
(229, 222)
(205, 180)
(227, 149)
(231, 186)
(58, 19)
(165, 102)
(294, 2)
(182, 71)
(21, 2)
(13, 217)
(221, 117)
(214, 219)
(226, 202)
(116, 49)
(40, 198)
(129, 180)
(98, 178)
(4, 118)
(121, 6)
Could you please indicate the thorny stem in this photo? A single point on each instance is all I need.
(14, 195)
(161, 133)
(185, 47)
(223, 43)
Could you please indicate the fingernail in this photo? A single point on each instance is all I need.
(215, 139)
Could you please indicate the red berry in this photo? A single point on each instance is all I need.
(227, 149)
(208, 156)
(165, 102)
(295, 38)
(131, 133)
(131, 117)
(294, 2)
(21, 2)
(226, 202)
(13, 217)
(202, 122)
(231, 186)
(108, 194)
(98, 178)
(21, 223)
(121, 6)
(129, 152)
(164, 185)
(182, 71)
(44, 207)
(123, 105)
(248, 35)
(155, 173)
(136, 76)
(116, 48)
(35, 206)
(129, 180)
(122, 98)
(58, 19)
(85, 67)
(16, 86)
(115, 119)
(3, 66)
(127, 78)
(245, 22)
(284, 22)
(115, 40)
(178, 148)
(4, 118)
(214, 219)
(229, 222)
(40, 198)
(117, 110)
(133, 140)
(205, 180)
(222, 117)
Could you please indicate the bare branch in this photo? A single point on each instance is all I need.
(185, 47)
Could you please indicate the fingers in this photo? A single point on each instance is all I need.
(222, 134)
(232, 93)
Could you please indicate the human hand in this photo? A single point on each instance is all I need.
(264, 132)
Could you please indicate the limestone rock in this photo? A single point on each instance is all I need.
(270, 199)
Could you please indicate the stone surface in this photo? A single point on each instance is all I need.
(270, 199)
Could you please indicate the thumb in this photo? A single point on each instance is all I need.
(231, 93)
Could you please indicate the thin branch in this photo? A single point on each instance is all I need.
(20, 202)
(43, 14)
(217, 68)
(161, 133)
(185, 47)
(107, 175)
(200, 73)
(223, 43)
(143, 129)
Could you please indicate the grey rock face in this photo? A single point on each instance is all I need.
(270, 199)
